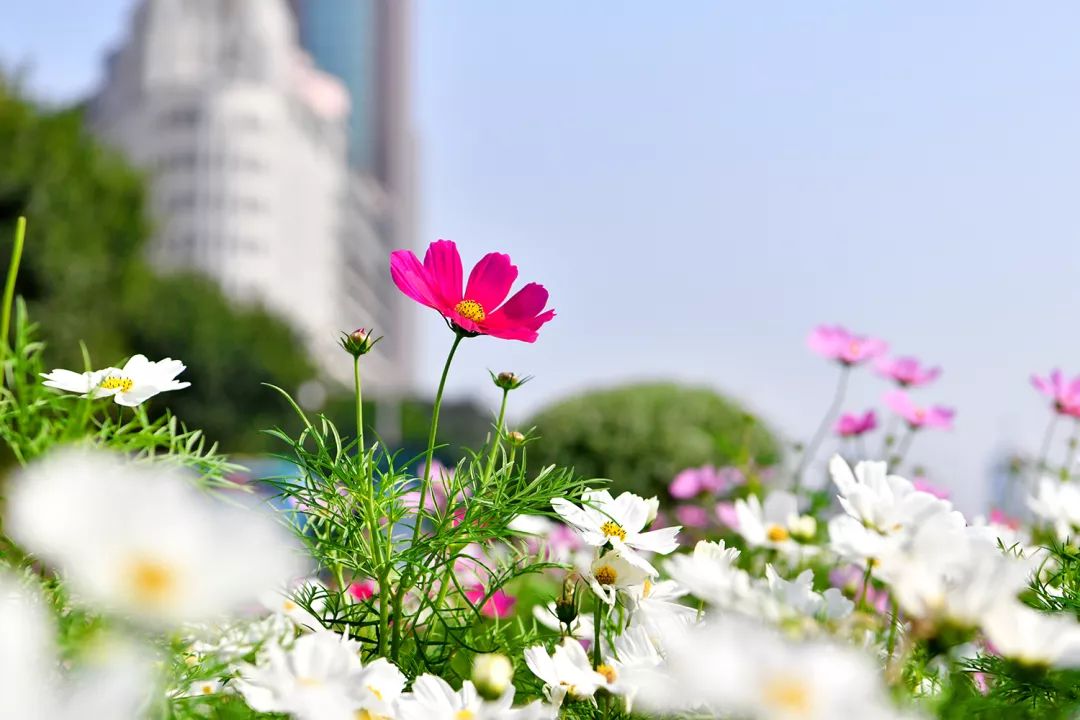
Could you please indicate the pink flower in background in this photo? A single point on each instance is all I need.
(907, 371)
(997, 517)
(706, 479)
(923, 485)
(692, 516)
(836, 343)
(725, 513)
(849, 578)
(919, 417)
(438, 500)
(852, 425)
(1064, 393)
(499, 605)
(363, 590)
(479, 309)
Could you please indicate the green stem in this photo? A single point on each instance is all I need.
(826, 422)
(359, 409)
(495, 442)
(597, 622)
(902, 449)
(426, 481)
(892, 628)
(9, 286)
(861, 602)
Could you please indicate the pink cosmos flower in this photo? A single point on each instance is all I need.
(692, 516)
(708, 479)
(725, 513)
(998, 517)
(836, 343)
(499, 605)
(363, 590)
(918, 417)
(907, 371)
(924, 485)
(852, 425)
(1064, 393)
(479, 309)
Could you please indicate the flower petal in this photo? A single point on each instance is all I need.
(443, 265)
(490, 280)
(412, 279)
(521, 316)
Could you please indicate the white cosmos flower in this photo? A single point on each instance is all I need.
(655, 608)
(320, 678)
(946, 574)
(311, 590)
(620, 521)
(567, 671)
(776, 524)
(1033, 638)
(734, 666)
(112, 684)
(139, 539)
(633, 657)
(1057, 503)
(799, 596)
(432, 698)
(612, 572)
(710, 574)
(135, 383)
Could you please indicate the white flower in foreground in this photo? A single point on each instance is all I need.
(1057, 503)
(655, 607)
(567, 671)
(798, 595)
(141, 540)
(321, 678)
(738, 667)
(620, 521)
(432, 698)
(1034, 638)
(612, 572)
(135, 383)
(112, 684)
(633, 657)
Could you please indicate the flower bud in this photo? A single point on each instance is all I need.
(515, 438)
(508, 380)
(803, 528)
(653, 504)
(566, 604)
(358, 342)
(492, 674)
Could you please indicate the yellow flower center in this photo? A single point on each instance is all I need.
(288, 606)
(122, 384)
(646, 590)
(368, 715)
(375, 691)
(309, 681)
(788, 694)
(464, 715)
(207, 689)
(151, 581)
(605, 575)
(777, 533)
(613, 529)
(471, 310)
(607, 671)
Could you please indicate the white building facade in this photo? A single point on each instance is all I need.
(245, 143)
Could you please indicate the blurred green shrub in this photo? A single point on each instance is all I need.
(640, 435)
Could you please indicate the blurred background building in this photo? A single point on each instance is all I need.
(285, 176)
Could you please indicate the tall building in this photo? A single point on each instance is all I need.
(247, 145)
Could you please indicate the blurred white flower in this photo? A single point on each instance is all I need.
(633, 656)
(1057, 503)
(777, 524)
(710, 574)
(567, 671)
(620, 521)
(655, 608)
(141, 540)
(432, 698)
(612, 572)
(286, 603)
(320, 678)
(135, 383)
(113, 683)
(738, 667)
(1032, 637)
(946, 574)
(799, 596)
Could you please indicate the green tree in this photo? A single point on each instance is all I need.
(85, 278)
(639, 436)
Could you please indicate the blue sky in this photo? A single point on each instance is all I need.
(699, 187)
